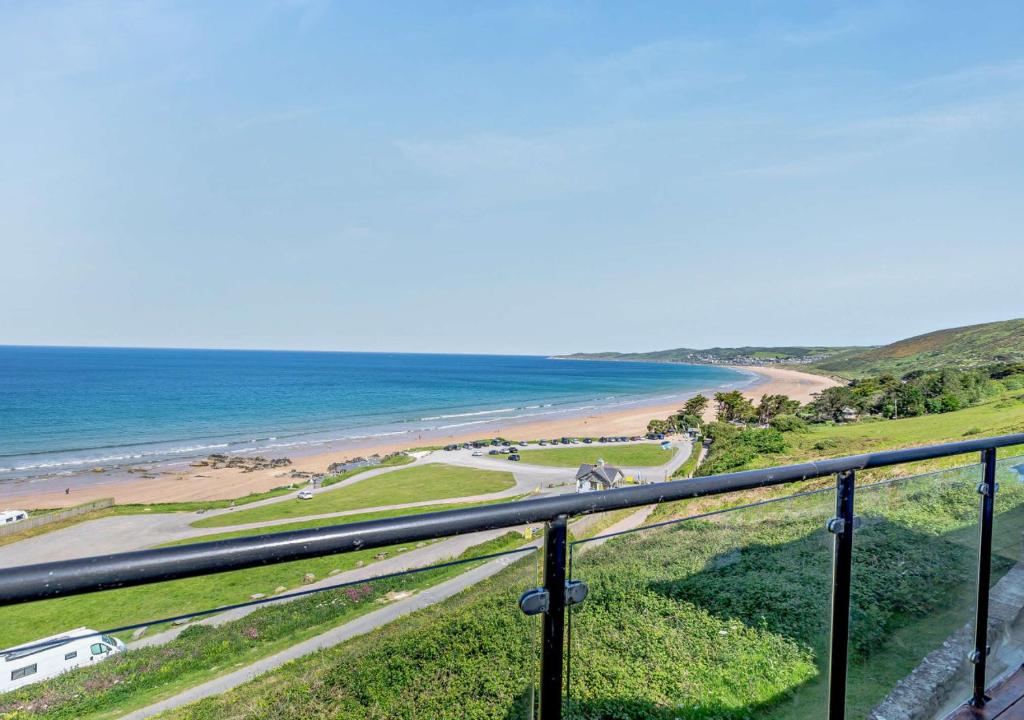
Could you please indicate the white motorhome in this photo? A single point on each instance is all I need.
(12, 516)
(49, 657)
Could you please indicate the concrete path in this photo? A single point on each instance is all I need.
(359, 626)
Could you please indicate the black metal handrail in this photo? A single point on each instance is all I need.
(31, 583)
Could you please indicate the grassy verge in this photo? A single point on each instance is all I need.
(141, 677)
(414, 484)
(689, 465)
(638, 455)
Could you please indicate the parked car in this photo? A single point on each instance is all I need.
(305, 495)
(513, 456)
(477, 453)
(588, 440)
(543, 443)
(493, 452)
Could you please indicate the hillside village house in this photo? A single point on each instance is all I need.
(597, 477)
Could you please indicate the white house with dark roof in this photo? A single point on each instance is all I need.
(597, 477)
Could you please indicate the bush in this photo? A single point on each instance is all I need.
(788, 423)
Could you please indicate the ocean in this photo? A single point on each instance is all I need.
(66, 410)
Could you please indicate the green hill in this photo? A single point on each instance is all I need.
(724, 356)
(970, 346)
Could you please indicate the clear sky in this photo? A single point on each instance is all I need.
(523, 178)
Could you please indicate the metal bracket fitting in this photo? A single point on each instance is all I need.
(537, 600)
(534, 601)
(837, 526)
(983, 488)
(975, 656)
(575, 592)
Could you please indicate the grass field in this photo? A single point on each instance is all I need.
(1001, 415)
(636, 455)
(422, 482)
(325, 522)
(147, 675)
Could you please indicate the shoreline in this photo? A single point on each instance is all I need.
(199, 484)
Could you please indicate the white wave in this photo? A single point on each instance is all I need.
(464, 424)
(77, 462)
(469, 414)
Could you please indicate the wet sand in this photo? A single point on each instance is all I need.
(191, 484)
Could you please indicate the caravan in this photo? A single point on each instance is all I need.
(49, 657)
(12, 516)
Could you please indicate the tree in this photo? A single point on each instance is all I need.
(829, 403)
(657, 426)
(733, 407)
(695, 406)
(773, 405)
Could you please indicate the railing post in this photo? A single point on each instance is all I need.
(841, 526)
(987, 490)
(552, 650)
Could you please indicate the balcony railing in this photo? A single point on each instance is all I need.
(840, 512)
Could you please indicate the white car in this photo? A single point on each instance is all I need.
(305, 495)
(478, 454)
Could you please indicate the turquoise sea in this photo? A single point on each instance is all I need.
(65, 410)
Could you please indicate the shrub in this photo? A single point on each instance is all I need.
(788, 423)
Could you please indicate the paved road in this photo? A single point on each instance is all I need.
(359, 626)
(124, 533)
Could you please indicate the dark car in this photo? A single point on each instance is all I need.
(587, 440)
(514, 456)
(493, 452)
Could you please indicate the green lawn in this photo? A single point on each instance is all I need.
(325, 522)
(637, 455)
(1001, 415)
(414, 484)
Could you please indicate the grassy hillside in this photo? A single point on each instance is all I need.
(970, 346)
(723, 356)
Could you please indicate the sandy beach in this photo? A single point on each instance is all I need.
(206, 484)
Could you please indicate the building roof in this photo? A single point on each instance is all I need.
(605, 473)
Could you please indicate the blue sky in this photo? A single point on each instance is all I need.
(523, 178)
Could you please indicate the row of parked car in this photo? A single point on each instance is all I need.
(510, 445)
